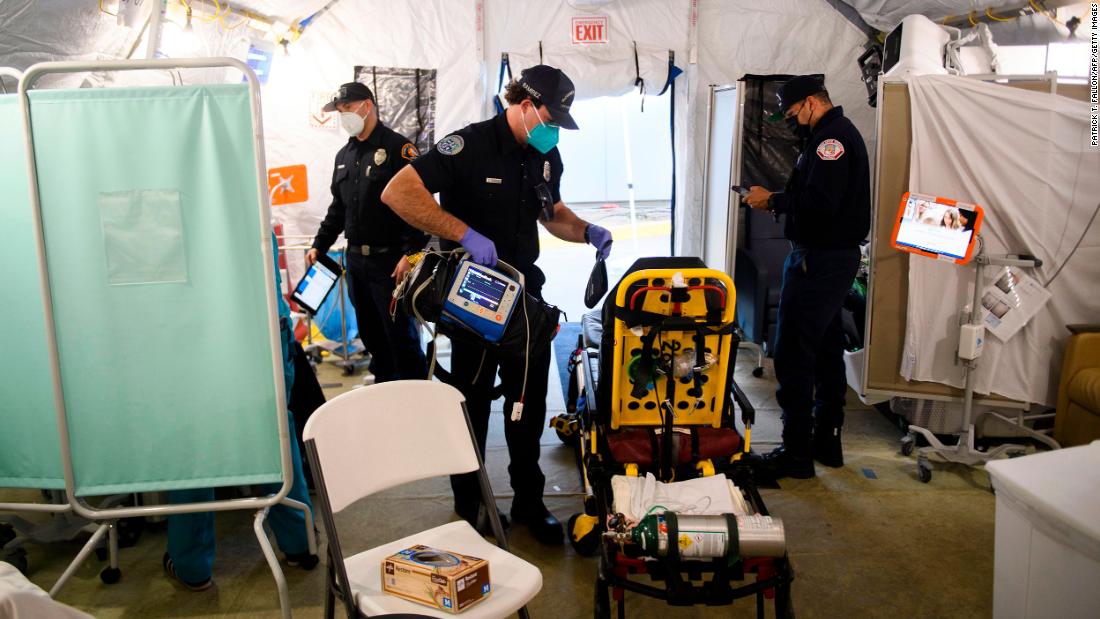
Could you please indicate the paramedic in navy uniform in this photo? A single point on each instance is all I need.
(496, 179)
(827, 203)
(378, 240)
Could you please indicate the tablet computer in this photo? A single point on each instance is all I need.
(317, 283)
(937, 227)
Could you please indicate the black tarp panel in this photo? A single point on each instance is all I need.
(406, 100)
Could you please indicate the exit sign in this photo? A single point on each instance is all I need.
(590, 30)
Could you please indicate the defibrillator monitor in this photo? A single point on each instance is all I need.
(481, 299)
(316, 284)
(937, 227)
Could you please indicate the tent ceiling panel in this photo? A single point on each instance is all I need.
(886, 14)
(519, 27)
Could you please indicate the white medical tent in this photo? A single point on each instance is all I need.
(302, 50)
(713, 42)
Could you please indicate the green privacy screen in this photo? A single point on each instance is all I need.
(149, 201)
(29, 453)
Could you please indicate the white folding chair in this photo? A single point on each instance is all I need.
(357, 446)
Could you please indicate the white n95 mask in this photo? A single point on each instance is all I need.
(352, 122)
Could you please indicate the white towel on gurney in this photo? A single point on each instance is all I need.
(22, 599)
(635, 497)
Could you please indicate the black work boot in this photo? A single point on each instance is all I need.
(478, 517)
(784, 461)
(543, 525)
(827, 447)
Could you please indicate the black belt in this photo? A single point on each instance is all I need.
(797, 245)
(367, 250)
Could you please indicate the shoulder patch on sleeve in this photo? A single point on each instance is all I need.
(409, 152)
(830, 150)
(451, 145)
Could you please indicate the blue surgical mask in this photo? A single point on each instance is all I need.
(543, 137)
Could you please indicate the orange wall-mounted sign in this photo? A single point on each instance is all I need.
(287, 185)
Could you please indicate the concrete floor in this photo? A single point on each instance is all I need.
(867, 540)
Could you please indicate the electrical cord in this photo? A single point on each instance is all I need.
(1075, 246)
(517, 407)
(424, 323)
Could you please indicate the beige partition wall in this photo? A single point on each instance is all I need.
(889, 277)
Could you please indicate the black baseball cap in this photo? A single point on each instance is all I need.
(553, 88)
(352, 91)
(795, 90)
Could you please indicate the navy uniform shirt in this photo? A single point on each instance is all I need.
(363, 167)
(491, 182)
(827, 199)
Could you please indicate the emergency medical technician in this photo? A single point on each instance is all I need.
(378, 240)
(827, 204)
(496, 179)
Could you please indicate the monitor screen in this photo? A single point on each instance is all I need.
(935, 227)
(482, 288)
(315, 286)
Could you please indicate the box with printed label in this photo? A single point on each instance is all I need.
(441, 579)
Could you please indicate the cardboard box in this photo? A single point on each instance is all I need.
(441, 579)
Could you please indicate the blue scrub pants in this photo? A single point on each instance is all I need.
(809, 348)
(191, 536)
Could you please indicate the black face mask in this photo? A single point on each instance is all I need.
(800, 131)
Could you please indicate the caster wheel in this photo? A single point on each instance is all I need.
(908, 442)
(348, 370)
(568, 439)
(758, 372)
(924, 471)
(589, 543)
(129, 531)
(110, 575)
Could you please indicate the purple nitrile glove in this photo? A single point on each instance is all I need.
(600, 238)
(482, 250)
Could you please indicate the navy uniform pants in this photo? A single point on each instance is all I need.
(809, 347)
(473, 373)
(394, 345)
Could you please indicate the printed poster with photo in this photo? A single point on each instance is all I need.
(1010, 301)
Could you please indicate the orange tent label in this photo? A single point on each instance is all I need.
(287, 184)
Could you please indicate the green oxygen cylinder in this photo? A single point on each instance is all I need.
(711, 536)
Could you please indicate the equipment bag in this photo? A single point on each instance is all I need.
(529, 332)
